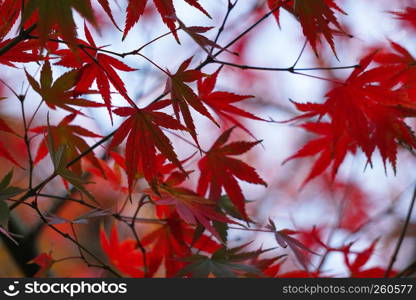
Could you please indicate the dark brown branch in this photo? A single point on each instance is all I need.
(224, 22)
(33, 191)
(402, 235)
(24, 35)
(74, 241)
(275, 69)
(132, 226)
(408, 271)
(22, 253)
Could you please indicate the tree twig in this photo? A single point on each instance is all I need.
(402, 235)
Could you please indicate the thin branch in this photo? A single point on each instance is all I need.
(74, 241)
(122, 55)
(134, 52)
(27, 141)
(224, 22)
(300, 55)
(402, 234)
(341, 208)
(408, 271)
(280, 69)
(24, 35)
(138, 241)
(210, 57)
(236, 39)
(33, 191)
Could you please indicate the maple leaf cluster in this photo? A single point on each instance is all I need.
(366, 111)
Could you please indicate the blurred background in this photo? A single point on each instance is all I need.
(363, 204)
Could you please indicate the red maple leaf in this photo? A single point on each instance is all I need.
(183, 97)
(315, 17)
(106, 7)
(5, 154)
(356, 266)
(166, 9)
(219, 170)
(310, 238)
(174, 240)
(407, 16)
(360, 259)
(144, 137)
(221, 102)
(111, 174)
(124, 255)
(3, 150)
(399, 68)
(45, 262)
(193, 208)
(331, 148)
(95, 66)
(9, 13)
(23, 52)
